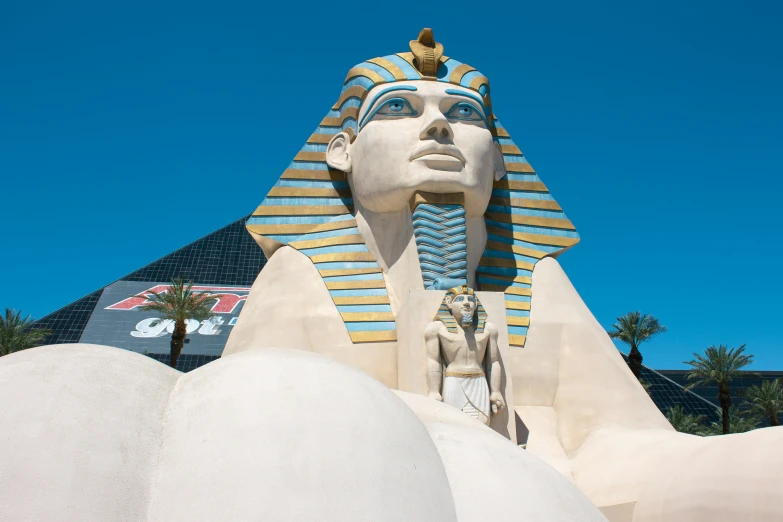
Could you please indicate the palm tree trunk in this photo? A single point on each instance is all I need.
(724, 396)
(635, 361)
(177, 342)
(773, 420)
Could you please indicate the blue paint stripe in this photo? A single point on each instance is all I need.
(532, 212)
(357, 277)
(314, 147)
(364, 308)
(509, 241)
(358, 292)
(370, 326)
(499, 270)
(405, 67)
(445, 69)
(326, 130)
(523, 194)
(534, 230)
(518, 313)
(274, 202)
(518, 298)
(336, 249)
(509, 255)
(517, 330)
(359, 80)
(301, 183)
(514, 158)
(345, 265)
(308, 165)
(493, 281)
(516, 176)
(333, 233)
(386, 75)
(288, 220)
(353, 101)
(465, 81)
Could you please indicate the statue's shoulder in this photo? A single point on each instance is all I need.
(435, 328)
(491, 329)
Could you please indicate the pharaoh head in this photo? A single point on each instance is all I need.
(461, 306)
(432, 133)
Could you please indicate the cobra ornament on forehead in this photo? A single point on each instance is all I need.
(310, 207)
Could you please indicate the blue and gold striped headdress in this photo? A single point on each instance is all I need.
(444, 313)
(310, 208)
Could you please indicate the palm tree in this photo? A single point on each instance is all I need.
(17, 333)
(766, 400)
(684, 422)
(635, 328)
(718, 365)
(738, 423)
(179, 303)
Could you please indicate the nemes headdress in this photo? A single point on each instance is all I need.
(444, 313)
(310, 208)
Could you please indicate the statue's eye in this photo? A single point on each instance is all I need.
(464, 112)
(458, 299)
(396, 107)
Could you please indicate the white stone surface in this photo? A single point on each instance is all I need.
(97, 433)
(491, 478)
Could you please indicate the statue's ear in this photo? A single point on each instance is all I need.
(499, 163)
(338, 152)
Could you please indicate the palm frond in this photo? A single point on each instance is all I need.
(18, 333)
(766, 399)
(718, 365)
(635, 328)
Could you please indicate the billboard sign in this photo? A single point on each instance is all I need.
(119, 321)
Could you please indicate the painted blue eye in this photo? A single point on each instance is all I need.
(465, 112)
(395, 107)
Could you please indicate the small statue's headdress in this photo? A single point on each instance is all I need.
(444, 313)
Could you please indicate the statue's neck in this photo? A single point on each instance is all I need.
(390, 237)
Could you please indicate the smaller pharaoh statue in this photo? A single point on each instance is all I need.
(462, 347)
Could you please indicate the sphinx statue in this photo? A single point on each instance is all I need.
(354, 269)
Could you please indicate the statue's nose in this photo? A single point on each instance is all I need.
(436, 126)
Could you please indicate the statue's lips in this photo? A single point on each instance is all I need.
(439, 153)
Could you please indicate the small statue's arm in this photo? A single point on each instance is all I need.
(434, 367)
(495, 373)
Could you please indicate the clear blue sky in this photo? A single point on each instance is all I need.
(129, 130)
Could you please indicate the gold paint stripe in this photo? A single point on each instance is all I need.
(531, 220)
(513, 320)
(374, 77)
(302, 210)
(505, 263)
(505, 247)
(342, 256)
(543, 204)
(390, 67)
(367, 316)
(477, 82)
(351, 239)
(274, 230)
(349, 271)
(516, 340)
(373, 336)
(356, 91)
(517, 305)
(518, 279)
(333, 121)
(361, 300)
(408, 57)
(511, 149)
(328, 175)
(310, 156)
(541, 239)
(352, 285)
(519, 167)
(459, 72)
(514, 290)
(309, 192)
(321, 139)
(532, 186)
(500, 132)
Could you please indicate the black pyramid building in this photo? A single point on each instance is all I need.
(226, 261)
